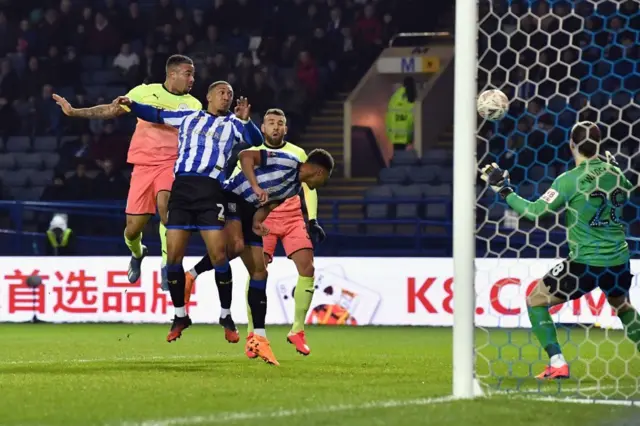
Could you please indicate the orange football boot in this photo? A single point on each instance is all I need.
(299, 341)
(554, 373)
(189, 281)
(260, 346)
(247, 348)
(177, 327)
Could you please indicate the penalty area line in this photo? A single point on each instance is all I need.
(296, 412)
(114, 359)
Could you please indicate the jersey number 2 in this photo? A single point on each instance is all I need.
(617, 199)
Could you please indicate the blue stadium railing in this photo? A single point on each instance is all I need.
(346, 237)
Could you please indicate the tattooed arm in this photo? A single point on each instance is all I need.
(100, 112)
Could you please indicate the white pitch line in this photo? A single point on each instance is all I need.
(562, 389)
(116, 359)
(255, 415)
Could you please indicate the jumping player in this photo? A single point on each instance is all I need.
(152, 152)
(197, 201)
(267, 177)
(594, 192)
(286, 223)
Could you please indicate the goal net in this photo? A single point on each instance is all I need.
(559, 62)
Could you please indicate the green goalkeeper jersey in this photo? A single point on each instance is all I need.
(594, 193)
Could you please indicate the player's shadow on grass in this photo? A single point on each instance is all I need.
(185, 366)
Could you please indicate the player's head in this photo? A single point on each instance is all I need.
(219, 96)
(180, 73)
(317, 169)
(274, 127)
(585, 140)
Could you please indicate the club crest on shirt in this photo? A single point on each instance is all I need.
(183, 107)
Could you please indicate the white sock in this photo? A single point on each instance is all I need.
(557, 361)
(193, 272)
(225, 312)
(181, 312)
(260, 332)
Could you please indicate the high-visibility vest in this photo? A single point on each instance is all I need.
(51, 236)
(399, 120)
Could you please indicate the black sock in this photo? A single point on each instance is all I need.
(204, 265)
(257, 298)
(175, 276)
(224, 281)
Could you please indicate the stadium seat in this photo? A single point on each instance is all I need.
(378, 211)
(422, 174)
(394, 175)
(404, 158)
(29, 161)
(45, 144)
(436, 190)
(90, 63)
(51, 159)
(41, 178)
(7, 161)
(18, 144)
(18, 178)
(30, 194)
(437, 156)
(445, 174)
(407, 193)
(436, 211)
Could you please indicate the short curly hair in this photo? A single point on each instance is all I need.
(322, 158)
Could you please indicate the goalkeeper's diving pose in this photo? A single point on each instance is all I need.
(594, 193)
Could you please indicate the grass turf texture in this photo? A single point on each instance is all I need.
(117, 374)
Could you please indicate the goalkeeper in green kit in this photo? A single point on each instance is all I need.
(594, 193)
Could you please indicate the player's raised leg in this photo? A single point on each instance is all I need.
(299, 248)
(162, 200)
(615, 282)
(177, 240)
(564, 282)
(141, 206)
(258, 344)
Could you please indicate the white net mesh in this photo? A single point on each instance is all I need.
(559, 62)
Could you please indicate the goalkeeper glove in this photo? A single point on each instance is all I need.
(497, 179)
(316, 232)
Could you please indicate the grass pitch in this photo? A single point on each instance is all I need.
(126, 375)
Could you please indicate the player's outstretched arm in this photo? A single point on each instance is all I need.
(245, 129)
(154, 115)
(498, 180)
(249, 160)
(100, 112)
(261, 215)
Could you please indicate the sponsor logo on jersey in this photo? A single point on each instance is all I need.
(550, 195)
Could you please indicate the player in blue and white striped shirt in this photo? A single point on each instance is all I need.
(197, 200)
(267, 179)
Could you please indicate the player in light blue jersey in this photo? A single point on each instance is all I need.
(197, 201)
(267, 179)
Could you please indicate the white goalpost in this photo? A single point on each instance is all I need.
(559, 62)
(464, 177)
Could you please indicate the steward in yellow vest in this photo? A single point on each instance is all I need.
(400, 116)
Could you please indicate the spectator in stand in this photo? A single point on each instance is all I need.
(221, 15)
(56, 191)
(218, 67)
(307, 73)
(75, 151)
(103, 38)
(27, 34)
(289, 52)
(261, 95)
(151, 66)
(127, 62)
(135, 27)
(9, 82)
(34, 78)
(368, 33)
(113, 13)
(71, 69)
(245, 71)
(53, 66)
(79, 186)
(211, 45)
(50, 32)
(111, 144)
(7, 36)
(48, 117)
(109, 184)
(198, 27)
(181, 24)
(164, 13)
(320, 47)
